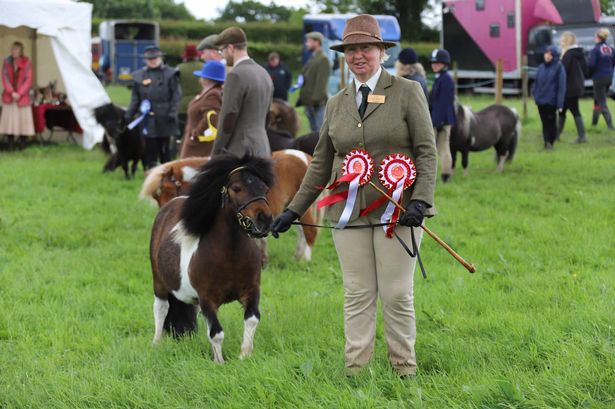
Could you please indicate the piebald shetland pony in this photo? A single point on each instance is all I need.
(203, 251)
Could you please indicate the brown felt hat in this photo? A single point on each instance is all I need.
(231, 35)
(362, 29)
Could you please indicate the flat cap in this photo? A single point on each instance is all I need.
(208, 43)
(315, 35)
(231, 35)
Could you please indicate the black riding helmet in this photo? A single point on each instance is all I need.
(440, 55)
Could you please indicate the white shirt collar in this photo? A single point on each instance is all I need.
(240, 60)
(371, 83)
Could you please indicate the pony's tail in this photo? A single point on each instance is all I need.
(181, 318)
(512, 147)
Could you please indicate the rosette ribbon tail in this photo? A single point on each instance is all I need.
(391, 213)
(353, 188)
(145, 108)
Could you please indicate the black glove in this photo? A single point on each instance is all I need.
(413, 217)
(283, 222)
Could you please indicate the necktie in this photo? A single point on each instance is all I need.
(365, 91)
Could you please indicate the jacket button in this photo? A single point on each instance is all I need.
(359, 125)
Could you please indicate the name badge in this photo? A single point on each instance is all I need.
(146, 81)
(376, 99)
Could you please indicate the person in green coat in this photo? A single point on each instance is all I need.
(189, 85)
(315, 74)
(385, 117)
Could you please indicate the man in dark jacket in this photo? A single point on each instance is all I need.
(549, 91)
(155, 98)
(601, 62)
(280, 75)
(316, 72)
(442, 107)
(573, 60)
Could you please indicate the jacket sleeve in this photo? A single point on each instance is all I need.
(135, 101)
(231, 105)
(176, 94)
(592, 61)
(423, 146)
(584, 67)
(24, 88)
(6, 83)
(322, 79)
(319, 171)
(211, 103)
(561, 87)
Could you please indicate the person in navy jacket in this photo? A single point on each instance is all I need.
(442, 107)
(549, 91)
(601, 61)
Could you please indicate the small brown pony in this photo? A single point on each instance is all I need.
(203, 253)
(172, 179)
(283, 117)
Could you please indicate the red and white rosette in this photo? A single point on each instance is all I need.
(397, 173)
(357, 169)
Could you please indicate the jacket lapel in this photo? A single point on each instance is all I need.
(383, 83)
(351, 102)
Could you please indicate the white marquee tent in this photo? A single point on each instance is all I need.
(57, 37)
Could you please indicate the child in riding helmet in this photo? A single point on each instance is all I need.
(549, 91)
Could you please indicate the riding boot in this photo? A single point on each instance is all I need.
(607, 118)
(11, 142)
(22, 142)
(582, 138)
(561, 121)
(595, 116)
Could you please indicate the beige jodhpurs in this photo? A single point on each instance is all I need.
(443, 145)
(374, 265)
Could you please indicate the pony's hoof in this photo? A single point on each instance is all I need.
(156, 341)
(245, 353)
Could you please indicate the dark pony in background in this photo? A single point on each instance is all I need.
(120, 143)
(496, 125)
(203, 253)
(282, 127)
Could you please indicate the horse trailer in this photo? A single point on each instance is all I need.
(332, 27)
(123, 43)
(478, 33)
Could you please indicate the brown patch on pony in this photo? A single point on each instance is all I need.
(283, 117)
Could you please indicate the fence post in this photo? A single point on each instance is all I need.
(524, 85)
(455, 76)
(499, 81)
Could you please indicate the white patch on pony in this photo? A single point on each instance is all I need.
(188, 245)
(518, 124)
(216, 345)
(161, 309)
(249, 328)
(469, 117)
(189, 173)
(303, 250)
(298, 154)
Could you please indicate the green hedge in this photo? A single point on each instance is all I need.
(256, 32)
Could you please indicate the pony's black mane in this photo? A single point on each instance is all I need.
(106, 112)
(201, 206)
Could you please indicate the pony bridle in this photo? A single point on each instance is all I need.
(245, 222)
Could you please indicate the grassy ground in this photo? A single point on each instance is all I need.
(533, 328)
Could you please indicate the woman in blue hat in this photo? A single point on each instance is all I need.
(201, 127)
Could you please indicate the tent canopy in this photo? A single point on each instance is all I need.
(66, 26)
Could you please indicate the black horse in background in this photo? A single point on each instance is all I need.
(122, 144)
(496, 125)
(280, 140)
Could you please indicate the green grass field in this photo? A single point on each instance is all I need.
(533, 328)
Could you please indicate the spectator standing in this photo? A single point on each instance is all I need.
(549, 92)
(573, 60)
(280, 76)
(188, 83)
(155, 98)
(315, 74)
(442, 107)
(601, 61)
(208, 49)
(409, 67)
(248, 92)
(203, 111)
(16, 118)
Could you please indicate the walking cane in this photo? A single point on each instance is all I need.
(469, 266)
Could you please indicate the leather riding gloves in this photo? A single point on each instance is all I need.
(283, 222)
(414, 214)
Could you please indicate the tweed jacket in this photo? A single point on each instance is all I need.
(248, 92)
(399, 125)
(316, 74)
(208, 100)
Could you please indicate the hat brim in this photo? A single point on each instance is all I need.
(152, 56)
(360, 41)
(200, 75)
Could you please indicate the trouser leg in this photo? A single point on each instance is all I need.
(151, 153)
(549, 127)
(164, 149)
(319, 113)
(395, 271)
(601, 89)
(444, 150)
(311, 116)
(355, 251)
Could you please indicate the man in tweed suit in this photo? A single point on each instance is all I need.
(248, 92)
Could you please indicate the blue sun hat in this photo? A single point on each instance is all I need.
(212, 70)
